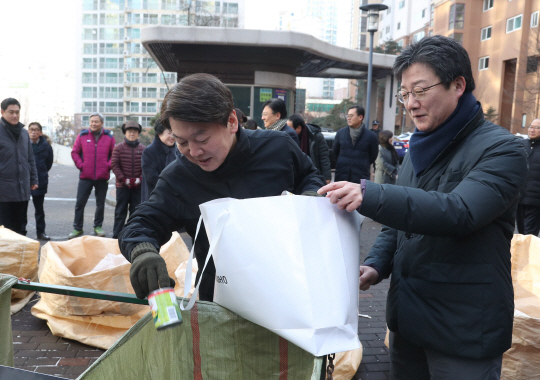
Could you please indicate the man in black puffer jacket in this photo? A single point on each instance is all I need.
(448, 223)
(219, 160)
(528, 212)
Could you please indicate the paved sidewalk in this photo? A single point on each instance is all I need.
(36, 349)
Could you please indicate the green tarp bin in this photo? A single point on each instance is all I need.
(213, 343)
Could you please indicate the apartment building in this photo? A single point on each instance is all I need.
(503, 42)
(115, 75)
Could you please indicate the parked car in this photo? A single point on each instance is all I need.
(401, 148)
(329, 137)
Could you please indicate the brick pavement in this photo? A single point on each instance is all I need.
(36, 349)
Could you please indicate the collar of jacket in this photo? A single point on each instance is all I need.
(165, 149)
(232, 164)
(132, 144)
(104, 131)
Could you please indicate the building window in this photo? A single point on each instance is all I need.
(513, 23)
(401, 4)
(89, 34)
(90, 78)
(457, 16)
(113, 121)
(523, 120)
(532, 65)
(431, 14)
(231, 8)
(485, 33)
(89, 92)
(89, 63)
(488, 4)
(418, 36)
(534, 19)
(89, 48)
(90, 5)
(389, 10)
(388, 29)
(483, 63)
(398, 25)
(85, 121)
(89, 107)
(458, 37)
(423, 12)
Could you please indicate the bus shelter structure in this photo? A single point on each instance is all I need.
(258, 65)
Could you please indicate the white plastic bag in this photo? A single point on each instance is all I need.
(289, 264)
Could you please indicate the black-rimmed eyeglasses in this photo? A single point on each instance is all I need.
(418, 93)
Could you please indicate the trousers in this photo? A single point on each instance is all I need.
(83, 193)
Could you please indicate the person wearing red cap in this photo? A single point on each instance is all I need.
(126, 166)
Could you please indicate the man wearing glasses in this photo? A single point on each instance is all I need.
(355, 148)
(448, 223)
(528, 212)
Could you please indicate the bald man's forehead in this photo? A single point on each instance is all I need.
(536, 122)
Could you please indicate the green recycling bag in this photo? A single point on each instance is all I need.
(213, 343)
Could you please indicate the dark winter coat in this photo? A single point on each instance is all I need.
(44, 159)
(154, 159)
(263, 163)
(17, 165)
(531, 193)
(126, 162)
(318, 151)
(446, 243)
(353, 162)
(93, 158)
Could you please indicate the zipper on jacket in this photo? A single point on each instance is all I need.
(95, 159)
(132, 162)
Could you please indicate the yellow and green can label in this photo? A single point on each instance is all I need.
(165, 309)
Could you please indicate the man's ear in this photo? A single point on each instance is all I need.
(460, 85)
(233, 122)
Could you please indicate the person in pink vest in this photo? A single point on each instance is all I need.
(92, 154)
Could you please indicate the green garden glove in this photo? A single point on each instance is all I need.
(148, 270)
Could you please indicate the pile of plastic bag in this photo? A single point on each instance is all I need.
(20, 259)
(94, 263)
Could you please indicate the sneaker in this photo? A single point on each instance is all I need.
(99, 231)
(75, 233)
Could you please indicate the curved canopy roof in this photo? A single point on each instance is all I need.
(235, 54)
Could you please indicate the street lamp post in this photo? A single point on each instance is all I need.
(372, 26)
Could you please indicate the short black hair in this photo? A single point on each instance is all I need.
(198, 98)
(160, 128)
(297, 121)
(359, 110)
(9, 102)
(277, 105)
(445, 56)
(35, 123)
(251, 124)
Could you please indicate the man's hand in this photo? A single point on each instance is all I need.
(127, 182)
(149, 272)
(34, 187)
(137, 181)
(347, 195)
(368, 276)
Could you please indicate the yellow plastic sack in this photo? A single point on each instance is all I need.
(522, 360)
(93, 263)
(19, 258)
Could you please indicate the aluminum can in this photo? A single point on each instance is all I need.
(165, 309)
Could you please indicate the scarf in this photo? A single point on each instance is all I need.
(304, 141)
(424, 147)
(355, 133)
(132, 144)
(278, 125)
(13, 130)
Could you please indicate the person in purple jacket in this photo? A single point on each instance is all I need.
(92, 154)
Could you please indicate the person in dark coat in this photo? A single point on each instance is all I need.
(528, 211)
(18, 173)
(218, 160)
(126, 166)
(159, 154)
(274, 116)
(313, 144)
(44, 158)
(387, 163)
(447, 224)
(355, 148)
(375, 127)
